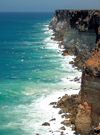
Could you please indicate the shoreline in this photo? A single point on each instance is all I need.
(70, 126)
(82, 111)
(69, 26)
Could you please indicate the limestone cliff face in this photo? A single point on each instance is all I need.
(60, 20)
(90, 94)
(83, 20)
(78, 31)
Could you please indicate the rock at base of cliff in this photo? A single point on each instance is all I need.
(63, 128)
(83, 119)
(46, 124)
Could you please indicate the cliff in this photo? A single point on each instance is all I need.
(83, 20)
(79, 31)
(89, 109)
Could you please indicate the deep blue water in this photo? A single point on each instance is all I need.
(32, 72)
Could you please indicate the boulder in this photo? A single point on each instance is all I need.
(46, 124)
(66, 116)
(53, 103)
(73, 127)
(53, 119)
(76, 79)
(71, 62)
(65, 52)
(63, 128)
(66, 122)
(83, 119)
(72, 119)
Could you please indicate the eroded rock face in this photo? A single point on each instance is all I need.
(88, 115)
(60, 20)
(83, 20)
(83, 119)
(78, 31)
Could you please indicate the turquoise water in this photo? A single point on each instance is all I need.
(33, 73)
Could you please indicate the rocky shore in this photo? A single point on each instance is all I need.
(79, 33)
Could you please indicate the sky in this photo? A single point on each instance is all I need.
(46, 5)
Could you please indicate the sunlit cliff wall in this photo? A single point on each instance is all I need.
(79, 31)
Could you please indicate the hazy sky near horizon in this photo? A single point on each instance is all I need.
(46, 5)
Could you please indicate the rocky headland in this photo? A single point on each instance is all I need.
(79, 33)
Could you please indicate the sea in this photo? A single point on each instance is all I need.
(33, 73)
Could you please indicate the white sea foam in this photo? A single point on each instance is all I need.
(69, 86)
(51, 113)
(47, 39)
(22, 60)
(52, 46)
(46, 28)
